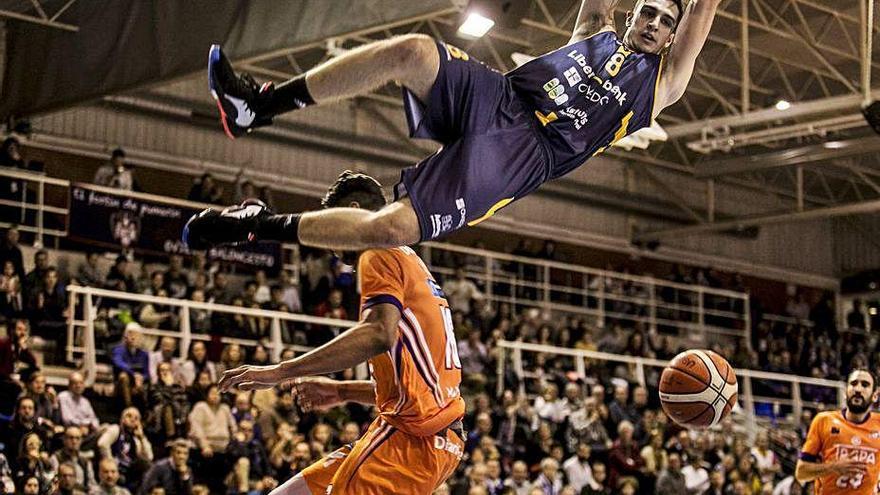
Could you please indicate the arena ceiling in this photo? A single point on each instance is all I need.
(818, 157)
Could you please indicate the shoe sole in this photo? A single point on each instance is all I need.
(216, 91)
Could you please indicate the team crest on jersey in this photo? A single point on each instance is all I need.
(856, 441)
(875, 435)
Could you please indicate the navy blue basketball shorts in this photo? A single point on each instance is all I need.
(492, 151)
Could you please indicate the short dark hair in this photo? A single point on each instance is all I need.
(354, 186)
(679, 4)
(118, 153)
(864, 370)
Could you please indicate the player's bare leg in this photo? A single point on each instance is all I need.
(412, 60)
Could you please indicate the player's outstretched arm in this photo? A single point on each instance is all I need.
(594, 16)
(375, 334)
(319, 393)
(806, 471)
(690, 36)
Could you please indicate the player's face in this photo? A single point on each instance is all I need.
(651, 25)
(859, 391)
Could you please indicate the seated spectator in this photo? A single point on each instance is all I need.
(628, 486)
(200, 319)
(75, 409)
(70, 455)
(198, 391)
(619, 409)
(577, 469)
(766, 461)
(7, 484)
(460, 292)
(211, 428)
(696, 476)
(717, 482)
(167, 353)
(23, 422)
(155, 315)
(45, 399)
(33, 281)
(48, 311)
(131, 366)
(197, 362)
(282, 454)
(263, 293)
(549, 406)
(172, 474)
(220, 292)
(624, 458)
(518, 481)
(231, 358)
(474, 357)
(89, 273)
(283, 412)
(157, 283)
(33, 462)
(855, 318)
(120, 277)
(205, 190)
(671, 480)
(494, 483)
(126, 444)
(109, 476)
(248, 455)
(168, 406)
(654, 458)
(290, 295)
(15, 356)
(176, 279)
(600, 476)
(12, 303)
(11, 251)
(30, 486)
(549, 481)
(475, 479)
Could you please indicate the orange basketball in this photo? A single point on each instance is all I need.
(698, 389)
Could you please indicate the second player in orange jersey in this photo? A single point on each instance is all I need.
(842, 447)
(405, 331)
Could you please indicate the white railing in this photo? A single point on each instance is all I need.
(698, 315)
(37, 184)
(81, 331)
(748, 380)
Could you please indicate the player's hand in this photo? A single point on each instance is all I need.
(248, 377)
(850, 468)
(316, 393)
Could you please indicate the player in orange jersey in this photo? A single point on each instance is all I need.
(841, 450)
(405, 331)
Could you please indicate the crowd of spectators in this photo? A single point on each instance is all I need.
(164, 426)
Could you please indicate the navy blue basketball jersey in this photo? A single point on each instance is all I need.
(587, 95)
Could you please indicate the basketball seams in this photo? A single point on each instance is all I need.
(718, 395)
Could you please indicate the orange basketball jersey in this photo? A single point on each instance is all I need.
(832, 437)
(417, 381)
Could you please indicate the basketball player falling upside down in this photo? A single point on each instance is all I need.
(503, 135)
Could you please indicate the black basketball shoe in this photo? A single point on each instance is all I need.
(238, 97)
(233, 225)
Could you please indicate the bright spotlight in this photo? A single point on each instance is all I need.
(783, 105)
(475, 26)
